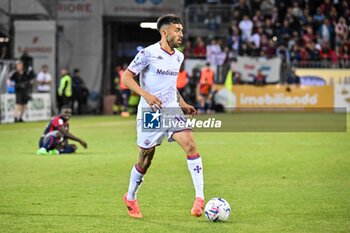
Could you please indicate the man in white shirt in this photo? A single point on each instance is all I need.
(158, 66)
(246, 26)
(43, 80)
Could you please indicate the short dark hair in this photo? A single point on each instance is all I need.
(168, 19)
(66, 107)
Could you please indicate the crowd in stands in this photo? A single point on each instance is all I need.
(301, 32)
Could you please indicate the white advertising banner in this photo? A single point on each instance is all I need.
(39, 39)
(39, 108)
(249, 67)
(342, 96)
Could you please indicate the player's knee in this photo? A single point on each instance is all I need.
(190, 147)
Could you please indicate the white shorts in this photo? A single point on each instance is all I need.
(151, 138)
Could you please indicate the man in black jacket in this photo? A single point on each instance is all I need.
(23, 84)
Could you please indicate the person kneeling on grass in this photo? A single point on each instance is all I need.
(60, 124)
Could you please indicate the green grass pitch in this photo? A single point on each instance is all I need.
(274, 182)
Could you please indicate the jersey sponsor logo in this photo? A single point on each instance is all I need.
(167, 72)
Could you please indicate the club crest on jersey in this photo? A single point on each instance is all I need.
(160, 57)
(147, 142)
(178, 59)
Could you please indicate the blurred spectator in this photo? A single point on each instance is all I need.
(293, 21)
(22, 82)
(199, 49)
(188, 50)
(313, 53)
(326, 7)
(215, 53)
(237, 78)
(253, 50)
(326, 33)
(337, 57)
(65, 90)
(297, 12)
(192, 86)
(327, 53)
(341, 30)
(246, 26)
(318, 18)
(234, 41)
(266, 6)
(285, 30)
(274, 15)
(259, 78)
(125, 91)
(43, 80)
(206, 82)
(212, 21)
(343, 9)
(117, 107)
(242, 8)
(182, 80)
(293, 78)
(270, 49)
(283, 53)
(80, 92)
(258, 19)
(295, 55)
(308, 35)
(268, 28)
(294, 40)
(345, 56)
(333, 15)
(255, 38)
(244, 50)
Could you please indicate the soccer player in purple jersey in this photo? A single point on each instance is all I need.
(158, 66)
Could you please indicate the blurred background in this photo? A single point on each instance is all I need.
(262, 53)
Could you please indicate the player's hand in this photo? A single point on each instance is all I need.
(84, 144)
(188, 109)
(153, 102)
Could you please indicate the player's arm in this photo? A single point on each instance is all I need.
(152, 100)
(67, 134)
(189, 109)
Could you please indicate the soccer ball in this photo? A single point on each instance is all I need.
(217, 209)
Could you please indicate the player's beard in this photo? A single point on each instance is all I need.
(173, 43)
